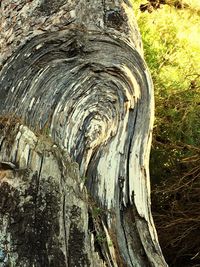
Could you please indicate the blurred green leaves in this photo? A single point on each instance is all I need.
(171, 40)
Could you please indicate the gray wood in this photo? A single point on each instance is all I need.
(76, 106)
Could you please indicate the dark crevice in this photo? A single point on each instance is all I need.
(92, 229)
(7, 165)
(29, 156)
(150, 247)
(65, 230)
(91, 172)
(129, 153)
(125, 237)
(130, 217)
(2, 141)
(49, 7)
(37, 184)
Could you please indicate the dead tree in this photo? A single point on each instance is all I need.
(76, 106)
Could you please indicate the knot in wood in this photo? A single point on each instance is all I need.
(114, 18)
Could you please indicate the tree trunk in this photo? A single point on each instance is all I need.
(74, 87)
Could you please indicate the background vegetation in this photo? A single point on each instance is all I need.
(171, 37)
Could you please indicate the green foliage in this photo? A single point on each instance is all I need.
(171, 39)
(96, 211)
(100, 238)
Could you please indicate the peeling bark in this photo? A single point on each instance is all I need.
(75, 75)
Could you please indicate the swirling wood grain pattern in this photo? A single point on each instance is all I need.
(94, 94)
(90, 90)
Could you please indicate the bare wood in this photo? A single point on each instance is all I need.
(75, 72)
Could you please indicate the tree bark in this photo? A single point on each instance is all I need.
(76, 106)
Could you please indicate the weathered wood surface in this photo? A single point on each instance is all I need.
(74, 71)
